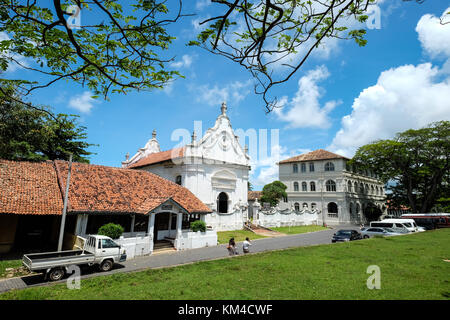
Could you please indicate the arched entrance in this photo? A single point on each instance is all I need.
(222, 203)
(372, 212)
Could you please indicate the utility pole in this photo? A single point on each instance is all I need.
(63, 218)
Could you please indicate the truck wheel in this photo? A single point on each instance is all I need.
(106, 265)
(56, 274)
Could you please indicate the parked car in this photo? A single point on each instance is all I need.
(96, 250)
(346, 235)
(370, 232)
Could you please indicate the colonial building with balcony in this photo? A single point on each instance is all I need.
(322, 180)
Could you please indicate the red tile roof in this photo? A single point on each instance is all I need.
(252, 195)
(319, 154)
(29, 188)
(39, 187)
(158, 157)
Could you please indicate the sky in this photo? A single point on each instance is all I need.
(343, 97)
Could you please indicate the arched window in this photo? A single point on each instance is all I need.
(222, 203)
(349, 186)
(355, 187)
(303, 167)
(361, 188)
(313, 206)
(332, 209)
(312, 186)
(296, 186)
(305, 205)
(297, 206)
(311, 167)
(372, 190)
(178, 180)
(357, 208)
(295, 168)
(329, 166)
(366, 190)
(304, 186)
(330, 185)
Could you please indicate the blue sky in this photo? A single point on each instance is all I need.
(343, 97)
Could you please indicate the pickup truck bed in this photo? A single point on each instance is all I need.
(43, 261)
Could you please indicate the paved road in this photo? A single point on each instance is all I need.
(188, 256)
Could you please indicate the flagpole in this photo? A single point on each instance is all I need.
(63, 218)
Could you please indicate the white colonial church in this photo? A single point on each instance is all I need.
(214, 168)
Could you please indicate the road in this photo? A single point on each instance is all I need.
(184, 257)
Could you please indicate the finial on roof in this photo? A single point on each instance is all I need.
(246, 149)
(224, 108)
(127, 156)
(154, 134)
(194, 136)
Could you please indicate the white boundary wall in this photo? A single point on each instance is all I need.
(275, 217)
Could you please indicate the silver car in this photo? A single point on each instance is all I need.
(383, 232)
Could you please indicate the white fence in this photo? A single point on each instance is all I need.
(136, 244)
(284, 218)
(193, 240)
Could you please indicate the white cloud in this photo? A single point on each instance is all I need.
(265, 169)
(202, 4)
(404, 97)
(185, 62)
(433, 35)
(232, 93)
(83, 102)
(16, 61)
(305, 110)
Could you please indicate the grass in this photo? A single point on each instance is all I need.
(239, 235)
(299, 229)
(6, 264)
(412, 267)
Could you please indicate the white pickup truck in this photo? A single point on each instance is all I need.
(95, 250)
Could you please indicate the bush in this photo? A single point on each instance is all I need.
(112, 230)
(198, 226)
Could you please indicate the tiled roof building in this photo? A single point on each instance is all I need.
(32, 199)
(38, 188)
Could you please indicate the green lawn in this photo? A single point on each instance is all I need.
(412, 267)
(5, 264)
(299, 229)
(239, 235)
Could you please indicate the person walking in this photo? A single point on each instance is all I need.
(246, 245)
(232, 247)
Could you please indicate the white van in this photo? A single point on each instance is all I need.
(409, 224)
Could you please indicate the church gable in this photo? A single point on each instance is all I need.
(220, 143)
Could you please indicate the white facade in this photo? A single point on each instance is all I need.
(339, 195)
(215, 169)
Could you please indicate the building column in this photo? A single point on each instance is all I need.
(133, 218)
(179, 233)
(151, 225)
(81, 225)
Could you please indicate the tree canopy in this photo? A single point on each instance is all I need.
(121, 46)
(120, 49)
(273, 192)
(36, 134)
(415, 165)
